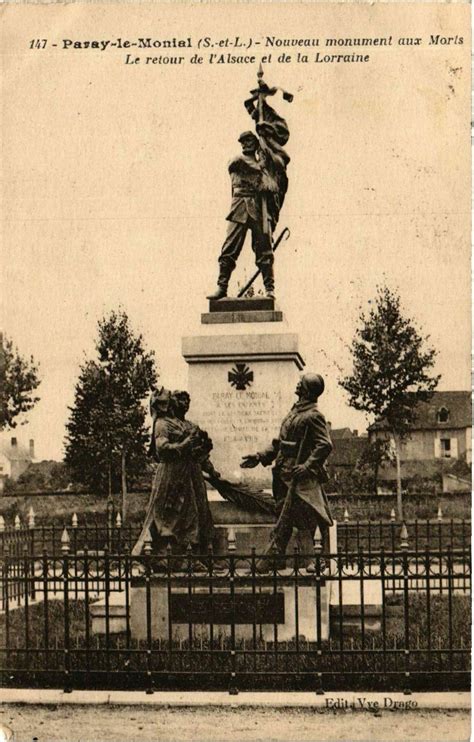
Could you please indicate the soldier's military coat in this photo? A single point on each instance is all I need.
(245, 213)
(246, 178)
(303, 428)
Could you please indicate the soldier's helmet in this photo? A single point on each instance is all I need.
(313, 383)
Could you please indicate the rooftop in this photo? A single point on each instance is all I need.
(347, 451)
(445, 410)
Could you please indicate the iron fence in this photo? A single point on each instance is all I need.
(108, 531)
(437, 533)
(387, 618)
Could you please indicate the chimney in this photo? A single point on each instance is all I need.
(355, 433)
(32, 448)
(14, 442)
(329, 424)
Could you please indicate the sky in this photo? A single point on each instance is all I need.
(116, 188)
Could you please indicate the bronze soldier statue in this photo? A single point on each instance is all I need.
(259, 184)
(299, 456)
(246, 174)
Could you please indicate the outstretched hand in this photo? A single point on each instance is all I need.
(249, 462)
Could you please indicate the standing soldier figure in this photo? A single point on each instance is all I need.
(247, 176)
(259, 185)
(299, 456)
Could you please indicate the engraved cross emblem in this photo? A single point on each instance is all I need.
(240, 377)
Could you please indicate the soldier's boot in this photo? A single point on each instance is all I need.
(225, 271)
(268, 279)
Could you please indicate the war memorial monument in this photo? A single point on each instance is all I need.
(252, 406)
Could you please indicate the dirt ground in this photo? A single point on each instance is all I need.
(148, 724)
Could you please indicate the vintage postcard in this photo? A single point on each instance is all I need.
(235, 360)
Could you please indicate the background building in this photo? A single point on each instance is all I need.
(439, 438)
(15, 458)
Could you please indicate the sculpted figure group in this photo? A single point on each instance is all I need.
(178, 512)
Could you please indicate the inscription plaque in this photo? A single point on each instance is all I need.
(225, 609)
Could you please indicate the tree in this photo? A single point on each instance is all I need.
(106, 433)
(373, 457)
(18, 381)
(391, 370)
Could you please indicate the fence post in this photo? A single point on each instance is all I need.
(31, 541)
(450, 605)
(31, 518)
(6, 598)
(318, 547)
(2, 530)
(65, 547)
(439, 517)
(406, 607)
(107, 606)
(233, 689)
(74, 524)
(147, 546)
(118, 529)
(26, 588)
(118, 548)
(110, 519)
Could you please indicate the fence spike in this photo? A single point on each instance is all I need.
(231, 539)
(318, 540)
(74, 520)
(118, 520)
(17, 523)
(440, 514)
(392, 514)
(31, 518)
(404, 537)
(2, 524)
(147, 542)
(65, 541)
(346, 515)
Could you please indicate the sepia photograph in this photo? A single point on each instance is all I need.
(235, 371)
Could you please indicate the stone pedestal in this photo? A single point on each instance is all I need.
(242, 373)
(173, 611)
